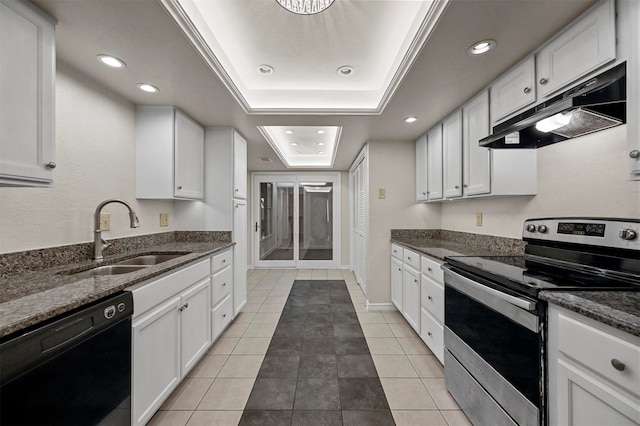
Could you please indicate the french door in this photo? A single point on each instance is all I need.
(296, 220)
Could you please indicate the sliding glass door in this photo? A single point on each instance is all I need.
(296, 220)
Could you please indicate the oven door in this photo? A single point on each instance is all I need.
(494, 358)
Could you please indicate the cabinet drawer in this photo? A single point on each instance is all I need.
(432, 269)
(432, 332)
(432, 295)
(220, 261)
(222, 316)
(148, 294)
(596, 347)
(222, 281)
(412, 258)
(397, 251)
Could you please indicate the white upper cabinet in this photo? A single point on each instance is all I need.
(514, 90)
(452, 155)
(582, 47)
(27, 74)
(421, 168)
(476, 159)
(434, 163)
(169, 154)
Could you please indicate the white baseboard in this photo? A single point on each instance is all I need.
(387, 307)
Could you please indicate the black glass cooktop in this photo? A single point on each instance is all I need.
(528, 275)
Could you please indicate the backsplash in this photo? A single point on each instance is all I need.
(34, 260)
(476, 242)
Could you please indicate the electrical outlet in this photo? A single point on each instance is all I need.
(105, 221)
(164, 219)
(478, 219)
(381, 193)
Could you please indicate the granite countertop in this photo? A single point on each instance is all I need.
(442, 243)
(618, 309)
(35, 296)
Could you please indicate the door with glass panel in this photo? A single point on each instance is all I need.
(296, 220)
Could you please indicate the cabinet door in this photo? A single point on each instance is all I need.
(27, 73)
(584, 399)
(514, 90)
(239, 166)
(476, 159)
(421, 168)
(434, 163)
(396, 283)
(585, 45)
(452, 155)
(156, 359)
(189, 157)
(411, 297)
(195, 324)
(239, 255)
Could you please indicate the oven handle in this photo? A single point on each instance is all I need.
(519, 310)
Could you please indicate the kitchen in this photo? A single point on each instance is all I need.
(96, 160)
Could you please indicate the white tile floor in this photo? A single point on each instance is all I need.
(217, 389)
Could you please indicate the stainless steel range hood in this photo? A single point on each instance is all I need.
(597, 104)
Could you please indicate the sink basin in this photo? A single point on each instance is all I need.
(150, 259)
(113, 269)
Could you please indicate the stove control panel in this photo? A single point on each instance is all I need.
(614, 233)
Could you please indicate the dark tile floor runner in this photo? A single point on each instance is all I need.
(318, 369)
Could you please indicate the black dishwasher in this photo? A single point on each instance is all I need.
(73, 370)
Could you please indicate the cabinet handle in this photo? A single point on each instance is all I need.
(408, 257)
(180, 187)
(543, 81)
(429, 333)
(424, 193)
(457, 187)
(465, 186)
(224, 284)
(415, 281)
(429, 297)
(633, 154)
(256, 226)
(429, 269)
(224, 315)
(527, 90)
(51, 165)
(224, 260)
(618, 365)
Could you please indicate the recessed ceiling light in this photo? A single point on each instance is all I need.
(410, 120)
(320, 132)
(265, 69)
(265, 159)
(289, 132)
(145, 87)
(294, 144)
(481, 47)
(320, 152)
(320, 143)
(345, 70)
(111, 61)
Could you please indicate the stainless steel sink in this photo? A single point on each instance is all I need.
(150, 259)
(113, 269)
(129, 265)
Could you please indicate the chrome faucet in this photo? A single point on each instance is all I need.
(98, 243)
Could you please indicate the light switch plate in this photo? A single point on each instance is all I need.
(164, 219)
(105, 221)
(381, 193)
(478, 219)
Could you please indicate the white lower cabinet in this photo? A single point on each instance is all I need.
(396, 283)
(222, 296)
(432, 333)
(432, 305)
(171, 331)
(594, 372)
(411, 296)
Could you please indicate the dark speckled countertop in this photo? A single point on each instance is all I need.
(31, 297)
(619, 309)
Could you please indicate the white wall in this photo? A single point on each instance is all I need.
(586, 176)
(392, 167)
(95, 156)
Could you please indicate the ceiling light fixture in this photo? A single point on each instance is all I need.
(345, 70)
(410, 119)
(289, 132)
(145, 87)
(320, 132)
(305, 7)
(111, 61)
(481, 47)
(294, 144)
(320, 143)
(265, 69)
